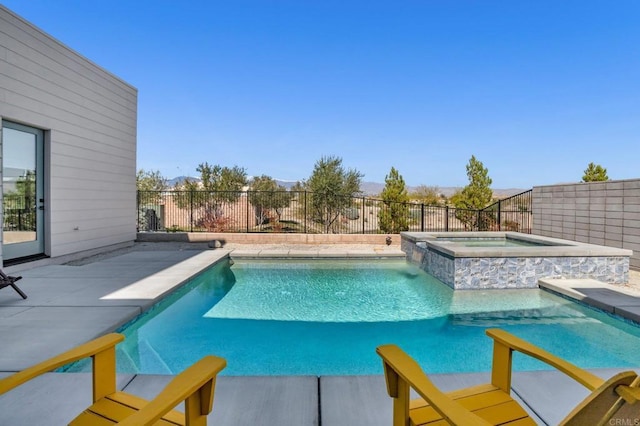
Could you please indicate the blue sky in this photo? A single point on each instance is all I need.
(534, 89)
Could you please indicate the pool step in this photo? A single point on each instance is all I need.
(150, 361)
(614, 298)
(555, 315)
(124, 360)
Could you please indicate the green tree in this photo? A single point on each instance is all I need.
(428, 195)
(475, 196)
(394, 215)
(218, 186)
(19, 205)
(455, 198)
(268, 197)
(299, 186)
(222, 179)
(595, 173)
(332, 188)
(151, 180)
(150, 185)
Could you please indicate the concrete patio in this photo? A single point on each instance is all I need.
(70, 304)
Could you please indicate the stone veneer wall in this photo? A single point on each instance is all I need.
(472, 273)
(604, 213)
(524, 272)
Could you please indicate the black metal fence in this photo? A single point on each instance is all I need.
(307, 212)
(18, 212)
(512, 214)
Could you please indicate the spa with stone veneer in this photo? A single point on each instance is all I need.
(495, 260)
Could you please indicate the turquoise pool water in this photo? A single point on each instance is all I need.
(327, 317)
(491, 242)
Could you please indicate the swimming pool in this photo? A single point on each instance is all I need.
(327, 317)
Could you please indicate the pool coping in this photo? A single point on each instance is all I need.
(610, 298)
(555, 247)
(285, 253)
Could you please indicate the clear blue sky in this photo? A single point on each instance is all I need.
(534, 89)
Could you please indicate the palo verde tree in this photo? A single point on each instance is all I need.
(595, 173)
(394, 215)
(267, 198)
(475, 196)
(332, 188)
(427, 195)
(218, 185)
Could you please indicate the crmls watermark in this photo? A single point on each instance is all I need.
(624, 422)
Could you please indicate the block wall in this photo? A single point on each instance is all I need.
(604, 213)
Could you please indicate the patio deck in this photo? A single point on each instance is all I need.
(69, 304)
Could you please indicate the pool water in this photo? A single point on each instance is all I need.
(491, 242)
(327, 317)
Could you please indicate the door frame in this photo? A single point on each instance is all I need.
(37, 246)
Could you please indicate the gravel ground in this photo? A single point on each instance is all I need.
(634, 281)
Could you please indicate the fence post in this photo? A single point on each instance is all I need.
(478, 220)
(306, 231)
(363, 216)
(499, 216)
(422, 217)
(191, 210)
(247, 203)
(446, 218)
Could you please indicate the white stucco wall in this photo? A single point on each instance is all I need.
(89, 117)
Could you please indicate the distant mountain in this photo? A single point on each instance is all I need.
(375, 188)
(508, 192)
(286, 183)
(368, 188)
(178, 180)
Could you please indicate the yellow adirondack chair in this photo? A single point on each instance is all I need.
(195, 386)
(613, 401)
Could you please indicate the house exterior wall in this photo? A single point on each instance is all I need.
(605, 213)
(89, 117)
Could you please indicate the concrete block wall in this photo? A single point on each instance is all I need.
(604, 213)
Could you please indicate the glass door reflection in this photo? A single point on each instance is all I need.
(22, 190)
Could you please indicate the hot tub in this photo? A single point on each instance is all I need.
(485, 260)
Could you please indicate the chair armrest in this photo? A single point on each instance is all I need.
(85, 350)
(398, 366)
(588, 380)
(631, 393)
(197, 379)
